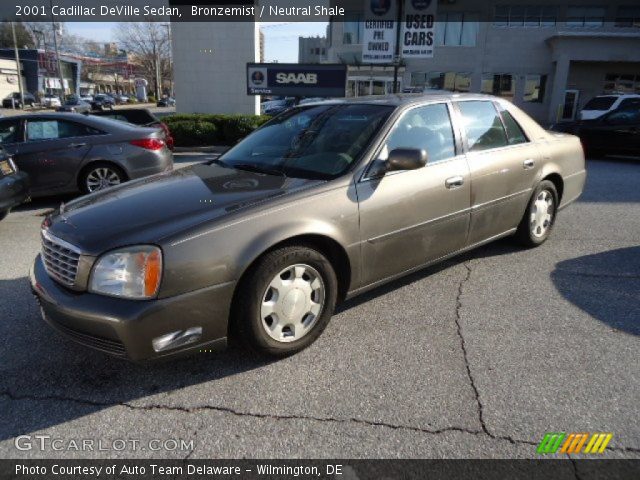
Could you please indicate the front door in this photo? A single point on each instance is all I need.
(408, 218)
(503, 165)
(52, 153)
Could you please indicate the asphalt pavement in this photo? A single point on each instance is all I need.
(478, 357)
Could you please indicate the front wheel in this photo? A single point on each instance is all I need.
(538, 220)
(286, 301)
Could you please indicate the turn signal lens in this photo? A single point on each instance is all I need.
(152, 269)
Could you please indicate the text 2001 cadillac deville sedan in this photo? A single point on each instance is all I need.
(322, 203)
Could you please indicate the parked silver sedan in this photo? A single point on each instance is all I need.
(322, 203)
(69, 152)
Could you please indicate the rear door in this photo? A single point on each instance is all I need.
(503, 165)
(409, 218)
(52, 152)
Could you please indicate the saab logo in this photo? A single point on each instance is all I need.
(257, 77)
(380, 7)
(573, 443)
(308, 78)
(420, 4)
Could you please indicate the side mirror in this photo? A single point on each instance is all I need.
(406, 159)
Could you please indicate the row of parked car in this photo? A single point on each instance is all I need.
(76, 103)
(57, 153)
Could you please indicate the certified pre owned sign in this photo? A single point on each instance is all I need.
(296, 80)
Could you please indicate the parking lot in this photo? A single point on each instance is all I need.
(478, 357)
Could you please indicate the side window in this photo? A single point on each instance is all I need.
(427, 128)
(53, 129)
(483, 125)
(9, 131)
(515, 134)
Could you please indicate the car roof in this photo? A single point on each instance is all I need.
(90, 120)
(401, 99)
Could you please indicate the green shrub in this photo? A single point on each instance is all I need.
(188, 133)
(151, 99)
(221, 129)
(132, 100)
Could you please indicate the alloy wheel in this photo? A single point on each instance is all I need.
(101, 178)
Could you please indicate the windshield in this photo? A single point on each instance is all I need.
(600, 103)
(320, 142)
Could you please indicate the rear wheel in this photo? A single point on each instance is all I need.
(99, 176)
(286, 301)
(538, 220)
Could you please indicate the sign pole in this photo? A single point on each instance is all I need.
(396, 59)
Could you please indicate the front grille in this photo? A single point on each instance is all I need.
(60, 259)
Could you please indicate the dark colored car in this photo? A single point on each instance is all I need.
(13, 100)
(73, 103)
(616, 133)
(70, 152)
(276, 107)
(102, 101)
(166, 102)
(322, 203)
(14, 185)
(141, 117)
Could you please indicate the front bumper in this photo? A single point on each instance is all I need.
(14, 189)
(126, 328)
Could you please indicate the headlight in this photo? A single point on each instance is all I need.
(131, 272)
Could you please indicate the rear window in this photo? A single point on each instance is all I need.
(600, 103)
(483, 125)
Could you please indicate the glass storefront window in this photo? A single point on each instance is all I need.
(534, 87)
(501, 85)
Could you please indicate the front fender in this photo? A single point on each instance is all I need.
(223, 253)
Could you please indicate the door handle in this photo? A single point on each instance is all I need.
(528, 163)
(76, 145)
(454, 182)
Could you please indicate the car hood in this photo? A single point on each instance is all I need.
(150, 209)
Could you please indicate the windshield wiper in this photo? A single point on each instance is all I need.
(252, 167)
(219, 162)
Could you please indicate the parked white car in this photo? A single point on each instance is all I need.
(86, 98)
(598, 106)
(51, 101)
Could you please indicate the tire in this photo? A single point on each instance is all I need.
(3, 214)
(97, 171)
(303, 279)
(536, 224)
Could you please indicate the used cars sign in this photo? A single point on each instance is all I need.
(296, 80)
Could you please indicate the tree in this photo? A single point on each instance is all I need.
(24, 38)
(147, 44)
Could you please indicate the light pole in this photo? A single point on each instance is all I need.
(168, 27)
(55, 43)
(18, 67)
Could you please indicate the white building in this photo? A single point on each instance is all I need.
(209, 64)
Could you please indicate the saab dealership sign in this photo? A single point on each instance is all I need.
(296, 79)
(379, 32)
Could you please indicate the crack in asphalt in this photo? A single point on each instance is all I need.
(463, 345)
(239, 413)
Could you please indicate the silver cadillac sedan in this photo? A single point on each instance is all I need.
(324, 202)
